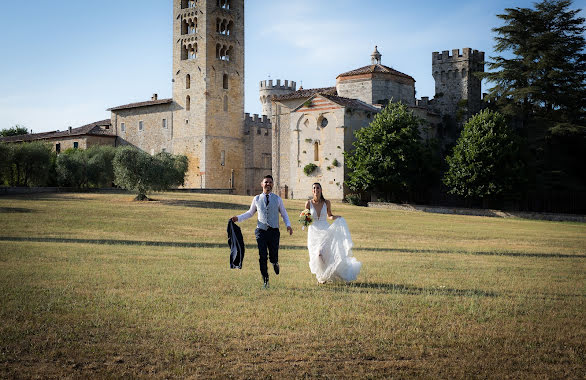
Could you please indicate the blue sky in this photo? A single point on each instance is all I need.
(65, 62)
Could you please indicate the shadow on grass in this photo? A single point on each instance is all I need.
(253, 247)
(411, 290)
(478, 253)
(203, 204)
(370, 287)
(15, 210)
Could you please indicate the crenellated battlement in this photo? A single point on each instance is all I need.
(268, 85)
(467, 54)
(261, 124)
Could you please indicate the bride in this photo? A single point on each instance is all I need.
(330, 246)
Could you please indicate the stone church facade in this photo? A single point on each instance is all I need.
(315, 126)
(230, 149)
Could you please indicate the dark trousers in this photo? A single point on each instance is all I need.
(268, 243)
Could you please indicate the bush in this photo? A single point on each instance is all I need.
(354, 199)
(309, 168)
(25, 164)
(86, 168)
(336, 163)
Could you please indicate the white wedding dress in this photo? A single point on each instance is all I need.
(330, 249)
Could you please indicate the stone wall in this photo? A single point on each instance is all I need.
(372, 88)
(258, 152)
(157, 127)
(456, 87)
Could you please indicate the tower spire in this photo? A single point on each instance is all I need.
(375, 57)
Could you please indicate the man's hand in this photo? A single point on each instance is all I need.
(290, 230)
(234, 219)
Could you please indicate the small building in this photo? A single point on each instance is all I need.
(98, 133)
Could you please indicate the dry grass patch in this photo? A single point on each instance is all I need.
(439, 296)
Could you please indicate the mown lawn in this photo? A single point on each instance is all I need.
(99, 286)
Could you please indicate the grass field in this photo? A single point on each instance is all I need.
(99, 286)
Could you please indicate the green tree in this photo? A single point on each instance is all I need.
(14, 131)
(100, 165)
(543, 68)
(6, 163)
(72, 168)
(142, 173)
(27, 164)
(86, 168)
(485, 162)
(385, 158)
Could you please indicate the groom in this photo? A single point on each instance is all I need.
(267, 233)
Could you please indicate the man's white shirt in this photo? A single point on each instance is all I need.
(252, 211)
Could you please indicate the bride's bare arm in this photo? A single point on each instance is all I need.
(307, 205)
(329, 207)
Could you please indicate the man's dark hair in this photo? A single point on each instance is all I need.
(269, 176)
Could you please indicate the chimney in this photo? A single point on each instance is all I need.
(69, 130)
(154, 97)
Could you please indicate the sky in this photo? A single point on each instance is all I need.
(64, 62)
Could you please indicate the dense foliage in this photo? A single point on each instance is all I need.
(539, 81)
(86, 168)
(142, 173)
(485, 161)
(26, 164)
(543, 70)
(386, 158)
(14, 131)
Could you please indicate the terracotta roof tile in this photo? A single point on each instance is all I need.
(351, 103)
(371, 69)
(93, 129)
(306, 93)
(141, 104)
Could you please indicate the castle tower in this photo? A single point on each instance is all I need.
(457, 89)
(267, 90)
(208, 91)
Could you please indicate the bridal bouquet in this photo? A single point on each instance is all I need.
(305, 218)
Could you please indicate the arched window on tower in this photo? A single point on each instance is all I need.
(218, 48)
(184, 52)
(193, 26)
(187, 103)
(229, 28)
(188, 81)
(316, 151)
(463, 73)
(191, 3)
(184, 4)
(229, 53)
(184, 27)
(225, 81)
(192, 54)
(225, 103)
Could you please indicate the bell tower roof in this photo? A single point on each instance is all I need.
(375, 57)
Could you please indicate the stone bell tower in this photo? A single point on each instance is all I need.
(208, 91)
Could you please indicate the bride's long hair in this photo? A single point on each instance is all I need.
(322, 191)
